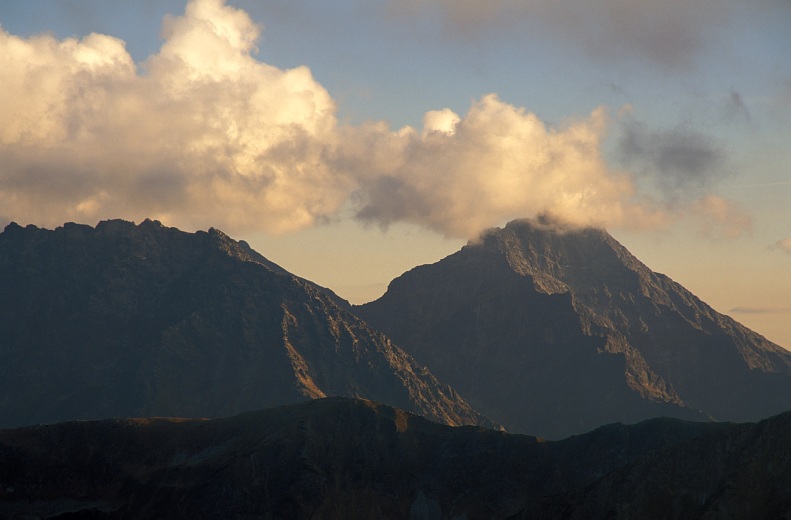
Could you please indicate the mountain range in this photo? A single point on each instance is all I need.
(544, 330)
(554, 331)
(126, 320)
(349, 458)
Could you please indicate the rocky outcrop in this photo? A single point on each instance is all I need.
(340, 458)
(555, 331)
(141, 320)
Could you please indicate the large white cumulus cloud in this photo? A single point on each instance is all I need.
(204, 134)
(460, 175)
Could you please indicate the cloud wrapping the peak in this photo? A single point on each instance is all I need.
(499, 162)
(203, 134)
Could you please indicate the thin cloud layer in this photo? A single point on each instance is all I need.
(760, 310)
(670, 34)
(736, 109)
(783, 245)
(683, 162)
(204, 134)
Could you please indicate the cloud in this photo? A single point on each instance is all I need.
(681, 161)
(207, 135)
(460, 175)
(685, 165)
(761, 310)
(671, 34)
(736, 109)
(783, 245)
(716, 217)
(203, 134)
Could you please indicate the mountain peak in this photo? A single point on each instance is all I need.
(126, 319)
(558, 257)
(540, 228)
(571, 330)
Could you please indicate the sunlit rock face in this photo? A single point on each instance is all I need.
(554, 331)
(142, 320)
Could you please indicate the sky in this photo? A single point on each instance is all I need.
(352, 140)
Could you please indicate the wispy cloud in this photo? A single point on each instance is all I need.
(207, 135)
(736, 108)
(686, 166)
(783, 245)
(670, 34)
(681, 160)
(761, 310)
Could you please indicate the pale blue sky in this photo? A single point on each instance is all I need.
(698, 97)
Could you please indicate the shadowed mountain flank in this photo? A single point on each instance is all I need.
(342, 458)
(140, 320)
(556, 331)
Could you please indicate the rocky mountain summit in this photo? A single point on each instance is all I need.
(342, 458)
(555, 331)
(142, 320)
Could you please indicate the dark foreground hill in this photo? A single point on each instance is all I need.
(125, 320)
(554, 332)
(339, 458)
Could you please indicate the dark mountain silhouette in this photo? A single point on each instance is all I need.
(556, 331)
(341, 458)
(126, 320)
(741, 471)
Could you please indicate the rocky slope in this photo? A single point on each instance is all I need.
(554, 332)
(341, 458)
(126, 320)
